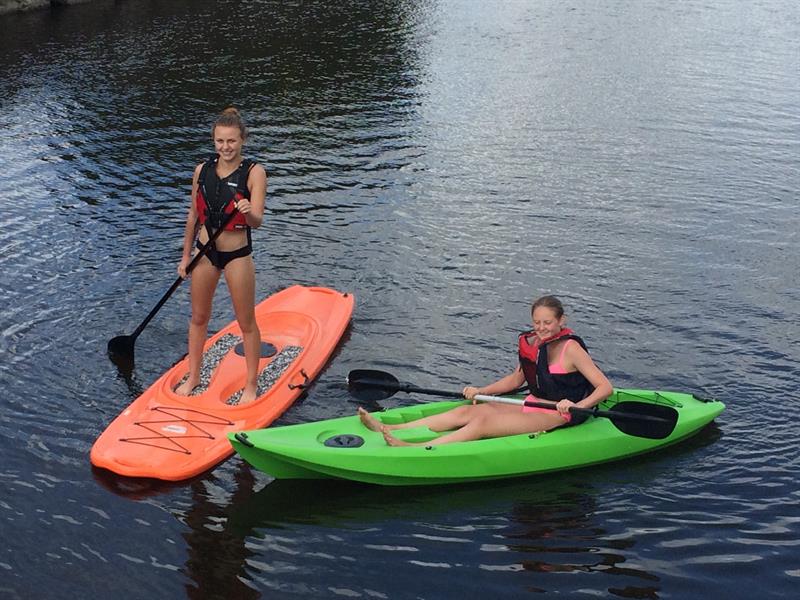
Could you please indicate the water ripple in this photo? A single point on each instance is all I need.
(446, 165)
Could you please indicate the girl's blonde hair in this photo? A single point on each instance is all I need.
(230, 117)
(550, 302)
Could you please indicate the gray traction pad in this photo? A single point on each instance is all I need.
(271, 373)
(266, 379)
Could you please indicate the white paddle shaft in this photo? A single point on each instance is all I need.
(517, 401)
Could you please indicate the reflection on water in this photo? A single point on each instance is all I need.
(551, 527)
(446, 162)
(216, 565)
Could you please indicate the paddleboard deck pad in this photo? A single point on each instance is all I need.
(166, 436)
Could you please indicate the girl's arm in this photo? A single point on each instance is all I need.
(584, 363)
(510, 383)
(253, 209)
(190, 230)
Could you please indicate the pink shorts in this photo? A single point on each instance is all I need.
(539, 409)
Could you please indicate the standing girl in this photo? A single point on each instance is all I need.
(221, 186)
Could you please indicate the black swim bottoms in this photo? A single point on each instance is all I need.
(221, 259)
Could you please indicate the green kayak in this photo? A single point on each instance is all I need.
(344, 448)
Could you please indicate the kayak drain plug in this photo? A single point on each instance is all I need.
(344, 441)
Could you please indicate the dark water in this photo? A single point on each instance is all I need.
(446, 162)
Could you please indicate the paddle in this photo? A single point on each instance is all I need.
(120, 348)
(639, 419)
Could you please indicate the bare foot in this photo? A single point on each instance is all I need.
(248, 394)
(393, 441)
(369, 421)
(187, 387)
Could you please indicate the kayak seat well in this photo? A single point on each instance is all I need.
(416, 435)
(670, 399)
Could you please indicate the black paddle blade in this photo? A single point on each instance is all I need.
(645, 420)
(121, 347)
(120, 351)
(366, 384)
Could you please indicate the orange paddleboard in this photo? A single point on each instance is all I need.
(171, 437)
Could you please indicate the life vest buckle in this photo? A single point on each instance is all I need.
(214, 220)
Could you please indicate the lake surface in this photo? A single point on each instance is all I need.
(446, 162)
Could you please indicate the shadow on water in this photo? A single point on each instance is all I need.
(329, 501)
(140, 488)
(565, 533)
(549, 517)
(548, 521)
(217, 560)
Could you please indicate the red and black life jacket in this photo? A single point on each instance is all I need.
(216, 197)
(551, 386)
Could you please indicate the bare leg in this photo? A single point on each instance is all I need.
(452, 419)
(369, 421)
(203, 283)
(489, 425)
(240, 275)
(393, 441)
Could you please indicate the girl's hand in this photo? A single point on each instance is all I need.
(470, 392)
(182, 268)
(243, 206)
(563, 406)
